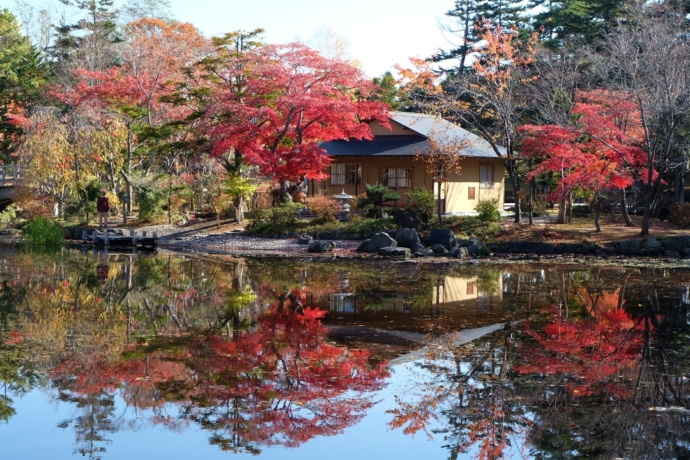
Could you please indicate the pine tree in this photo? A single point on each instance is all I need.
(469, 16)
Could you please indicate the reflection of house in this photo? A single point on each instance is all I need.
(393, 158)
(460, 290)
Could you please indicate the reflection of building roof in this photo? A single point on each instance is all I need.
(424, 126)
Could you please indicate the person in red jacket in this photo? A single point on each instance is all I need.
(102, 206)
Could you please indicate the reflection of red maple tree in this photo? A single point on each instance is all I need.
(280, 383)
(591, 351)
(290, 385)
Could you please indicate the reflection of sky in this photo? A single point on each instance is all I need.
(33, 433)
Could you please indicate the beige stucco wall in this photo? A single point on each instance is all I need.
(455, 189)
(460, 288)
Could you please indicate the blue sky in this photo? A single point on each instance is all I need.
(381, 33)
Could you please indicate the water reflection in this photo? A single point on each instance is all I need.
(257, 353)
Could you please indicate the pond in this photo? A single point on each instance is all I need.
(121, 356)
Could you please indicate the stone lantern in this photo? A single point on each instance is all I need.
(343, 198)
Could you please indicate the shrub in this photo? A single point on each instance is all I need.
(43, 231)
(325, 208)
(150, 202)
(8, 216)
(421, 201)
(377, 195)
(472, 227)
(278, 219)
(680, 214)
(488, 210)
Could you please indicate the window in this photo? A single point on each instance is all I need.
(397, 177)
(345, 174)
(471, 193)
(486, 175)
(470, 287)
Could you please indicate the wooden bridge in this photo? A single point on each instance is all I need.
(9, 177)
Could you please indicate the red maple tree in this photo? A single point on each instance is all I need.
(290, 99)
(599, 152)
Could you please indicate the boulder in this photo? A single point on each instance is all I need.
(539, 248)
(460, 253)
(651, 247)
(402, 253)
(422, 252)
(321, 246)
(631, 248)
(364, 246)
(379, 240)
(439, 249)
(442, 236)
(475, 247)
(305, 239)
(407, 238)
(676, 245)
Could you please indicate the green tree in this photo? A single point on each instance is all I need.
(21, 78)
(88, 42)
(576, 20)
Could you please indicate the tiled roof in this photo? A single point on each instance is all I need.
(425, 126)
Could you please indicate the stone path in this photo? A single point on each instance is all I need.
(231, 240)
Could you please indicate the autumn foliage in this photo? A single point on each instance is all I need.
(589, 351)
(599, 152)
(291, 99)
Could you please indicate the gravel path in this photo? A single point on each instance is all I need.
(231, 240)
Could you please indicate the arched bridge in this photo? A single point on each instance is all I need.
(9, 177)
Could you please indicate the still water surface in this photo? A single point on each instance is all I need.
(123, 356)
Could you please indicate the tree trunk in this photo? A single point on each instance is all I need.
(561, 209)
(624, 208)
(597, 213)
(438, 204)
(515, 182)
(238, 203)
(680, 184)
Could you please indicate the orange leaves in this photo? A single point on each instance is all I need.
(502, 52)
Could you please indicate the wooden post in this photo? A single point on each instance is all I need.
(133, 235)
(83, 235)
(106, 238)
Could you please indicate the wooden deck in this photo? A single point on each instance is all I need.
(114, 238)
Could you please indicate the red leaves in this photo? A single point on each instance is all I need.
(291, 100)
(591, 352)
(601, 151)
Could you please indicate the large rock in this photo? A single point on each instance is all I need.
(674, 245)
(651, 247)
(321, 247)
(631, 248)
(401, 253)
(376, 242)
(475, 247)
(460, 253)
(439, 249)
(305, 239)
(442, 236)
(407, 238)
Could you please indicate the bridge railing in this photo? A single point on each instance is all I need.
(9, 175)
